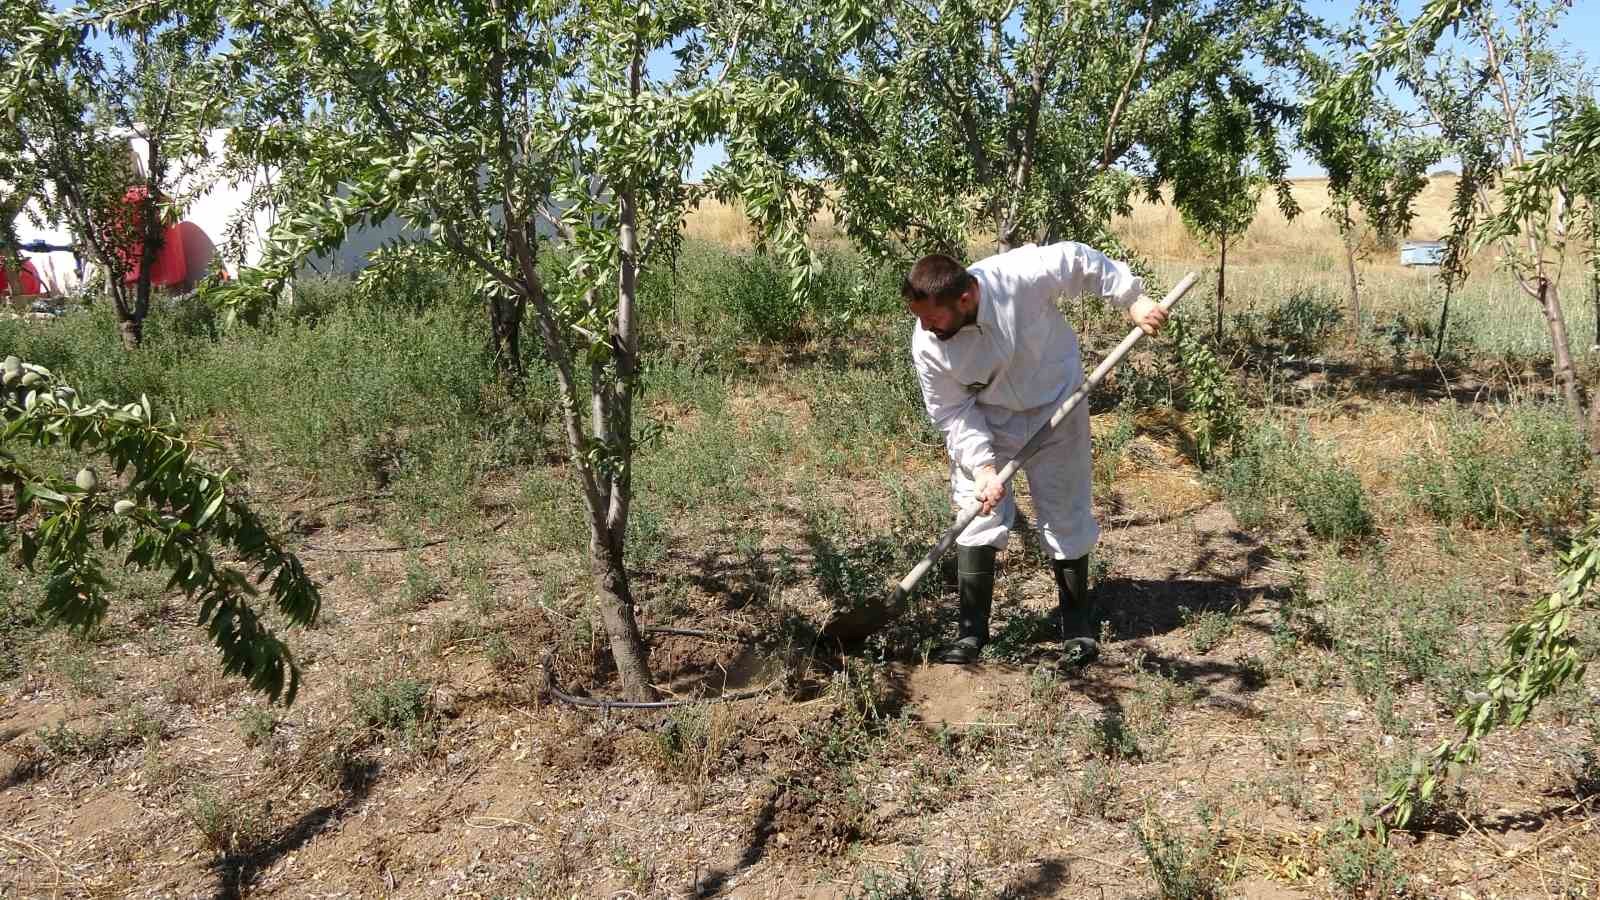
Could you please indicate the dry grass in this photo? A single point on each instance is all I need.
(1311, 238)
(1156, 229)
(725, 224)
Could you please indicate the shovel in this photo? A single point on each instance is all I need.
(858, 623)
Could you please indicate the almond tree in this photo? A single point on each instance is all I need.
(1486, 112)
(1486, 109)
(1556, 189)
(1215, 186)
(1377, 160)
(934, 119)
(542, 154)
(79, 86)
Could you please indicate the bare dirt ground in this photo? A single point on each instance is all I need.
(139, 772)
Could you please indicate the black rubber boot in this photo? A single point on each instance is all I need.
(1074, 611)
(975, 575)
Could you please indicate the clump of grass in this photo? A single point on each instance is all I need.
(82, 674)
(691, 742)
(1207, 629)
(19, 625)
(1300, 325)
(1525, 464)
(399, 705)
(1359, 864)
(860, 717)
(1584, 784)
(256, 725)
(1182, 869)
(1271, 473)
(226, 825)
(916, 879)
(1109, 737)
(132, 728)
(422, 585)
(719, 297)
(1096, 790)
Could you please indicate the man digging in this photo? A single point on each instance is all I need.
(995, 358)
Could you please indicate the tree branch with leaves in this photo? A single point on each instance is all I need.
(174, 514)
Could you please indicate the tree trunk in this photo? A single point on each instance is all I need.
(1550, 304)
(616, 610)
(612, 410)
(132, 328)
(1355, 297)
(132, 332)
(130, 323)
(1444, 321)
(13, 270)
(505, 332)
(1222, 275)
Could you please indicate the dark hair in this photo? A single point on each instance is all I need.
(935, 277)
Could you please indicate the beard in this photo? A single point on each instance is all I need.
(947, 335)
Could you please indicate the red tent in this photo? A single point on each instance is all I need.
(28, 276)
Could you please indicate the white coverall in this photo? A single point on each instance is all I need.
(999, 380)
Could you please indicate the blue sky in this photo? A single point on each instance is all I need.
(1579, 30)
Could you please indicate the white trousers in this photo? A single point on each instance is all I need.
(1060, 481)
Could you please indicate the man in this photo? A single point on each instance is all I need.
(996, 358)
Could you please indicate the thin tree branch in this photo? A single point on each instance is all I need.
(1122, 96)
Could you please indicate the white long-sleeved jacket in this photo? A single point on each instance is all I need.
(1020, 354)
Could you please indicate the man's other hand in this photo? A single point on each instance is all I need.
(991, 490)
(1147, 314)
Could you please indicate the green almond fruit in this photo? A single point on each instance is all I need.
(123, 507)
(31, 379)
(87, 480)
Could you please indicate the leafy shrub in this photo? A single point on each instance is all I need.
(1333, 502)
(1523, 465)
(754, 288)
(1302, 324)
(364, 392)
(714, 298)
(1271, 472)
(1360, 864)
(397, 705)
(1207, 393)
(1110, 737)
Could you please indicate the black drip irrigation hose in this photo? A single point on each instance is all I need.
(551, 689)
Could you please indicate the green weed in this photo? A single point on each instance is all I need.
(1522, 465)
(1271, 472)
(399, 705)
(916, 879)
(1097, 788)
(1359, 864)
(225, 824)
(256, 725)
(1182, 869)
(1207, 629)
